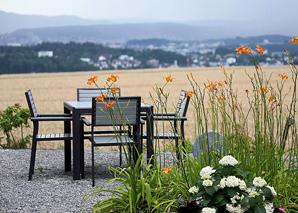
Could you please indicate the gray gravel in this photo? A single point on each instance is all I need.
(51, 190)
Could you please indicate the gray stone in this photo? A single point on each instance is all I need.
(215, 143)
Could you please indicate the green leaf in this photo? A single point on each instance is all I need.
(244, 174)
(206, 201)
(215, 183)
(200, 193)
(226, 171)
(245, 202)
(223, 202)
(218, 198)
(231, 191)
(210, 190)
(252, 201)
(259, 209)
(267, 192)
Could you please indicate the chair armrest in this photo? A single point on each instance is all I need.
(165, 114)
(51, 118)
(54, 115)
(170, 118)
(85, 121)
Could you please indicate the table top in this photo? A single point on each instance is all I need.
(88, 105)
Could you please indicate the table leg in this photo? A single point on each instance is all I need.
(76, 146)
(150, 130)
(67, 144)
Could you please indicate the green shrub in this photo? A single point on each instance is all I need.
(11, 119)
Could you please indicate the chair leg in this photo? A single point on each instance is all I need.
(33, 150)
(82, 151)
(93, 181)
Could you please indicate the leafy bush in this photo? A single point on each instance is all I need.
(11, 119)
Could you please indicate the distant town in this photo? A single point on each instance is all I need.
(135, 54)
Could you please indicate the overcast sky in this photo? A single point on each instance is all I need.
(160, 10)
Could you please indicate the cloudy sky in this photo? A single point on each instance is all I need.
(157, 10)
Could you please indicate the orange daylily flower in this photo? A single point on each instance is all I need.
(294, 40)
(221, 99)
(247, 50)
(283, 76)
(263, 90)
(189, 94)
(100, 98)
(109, 105)
(92, 80)
(113, 78)
(169, 78)
(220, 84)
(211, 85)
(271, 98)
(260, 49)
(115, 90)
(166, 170)
(239, 50)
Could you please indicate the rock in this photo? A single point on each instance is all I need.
(215, 143)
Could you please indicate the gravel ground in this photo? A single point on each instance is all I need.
(51, 190)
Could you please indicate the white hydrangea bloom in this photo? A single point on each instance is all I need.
(208, 170)
(242, 185)
(273, 192)
(259, 182)
(207, 183)
(222, 183)
(232, 181)
(193, 189)
(206, 176)
(252, 192)
(208, 210)
(237, 209)
(269, 207)
(228, 160)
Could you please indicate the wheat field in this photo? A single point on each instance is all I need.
(50, 90)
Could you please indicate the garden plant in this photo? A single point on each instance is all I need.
(260, 132)
(13, 120)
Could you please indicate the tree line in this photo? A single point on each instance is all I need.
(67, 56)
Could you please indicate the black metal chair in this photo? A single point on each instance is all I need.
(125, 114)
(36, 118)
(174, 117)
(86, 94)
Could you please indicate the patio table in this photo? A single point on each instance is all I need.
(77, 109)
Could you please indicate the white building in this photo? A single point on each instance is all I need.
(87, 60)
(45, 54)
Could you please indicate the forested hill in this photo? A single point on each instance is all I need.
(67, 57)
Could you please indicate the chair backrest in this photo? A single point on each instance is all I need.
(86, 94)
(182, 104)
(125, 110)
(31, 104)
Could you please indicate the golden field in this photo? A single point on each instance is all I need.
(50, 90)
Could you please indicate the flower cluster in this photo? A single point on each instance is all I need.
(228, 160)
(166, 170)
(247, 50)
(169, 78)
(224, 189)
